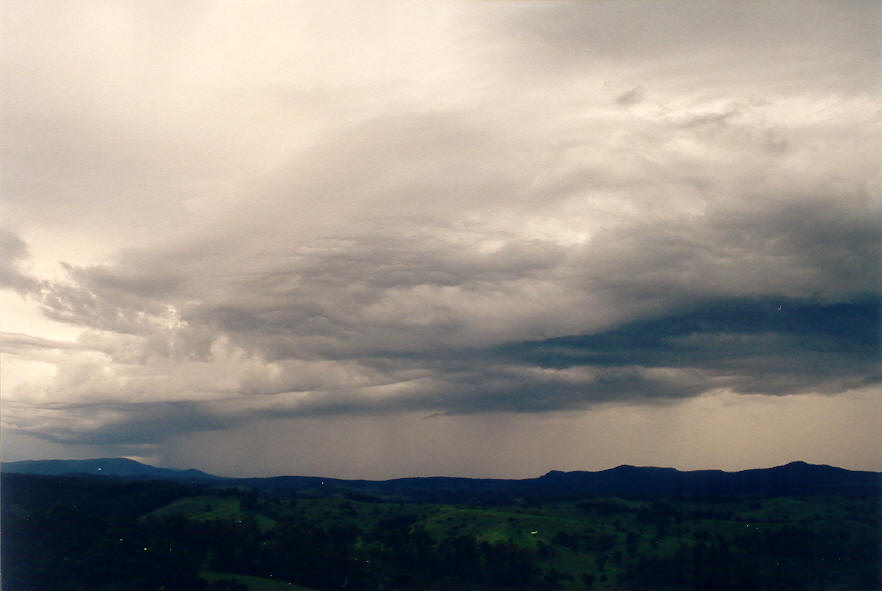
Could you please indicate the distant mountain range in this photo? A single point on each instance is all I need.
(116, 467)
(796, 478)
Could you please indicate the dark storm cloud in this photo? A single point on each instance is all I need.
(515, 385)
(767, 345)
(382, 292)
(763, 245)
(770, 345)
(295, 299)
(394, 307)
(125, 424)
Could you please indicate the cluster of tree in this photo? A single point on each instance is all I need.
(602, 507)
(92, 494)
(408, 557)
(773, 559)
(64, 533)
(67, 549)
(584, 541)
(658, 512)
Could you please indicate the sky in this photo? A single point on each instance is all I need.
(485, 238)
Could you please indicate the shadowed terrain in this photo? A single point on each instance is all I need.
(792, 527)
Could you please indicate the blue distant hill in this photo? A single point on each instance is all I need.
(795, 478)
(112, 467)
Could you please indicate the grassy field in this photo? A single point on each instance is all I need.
(207, 507)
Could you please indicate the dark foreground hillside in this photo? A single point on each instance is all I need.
(95, 533)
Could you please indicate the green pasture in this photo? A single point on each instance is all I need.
(208, 507)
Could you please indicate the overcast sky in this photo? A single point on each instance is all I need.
(461, 238)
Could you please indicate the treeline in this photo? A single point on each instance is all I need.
(788, 558)
(92, 494)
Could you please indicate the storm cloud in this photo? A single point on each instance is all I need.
(222, 217)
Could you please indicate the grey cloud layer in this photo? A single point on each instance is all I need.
(388, 323)
(428, 237)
